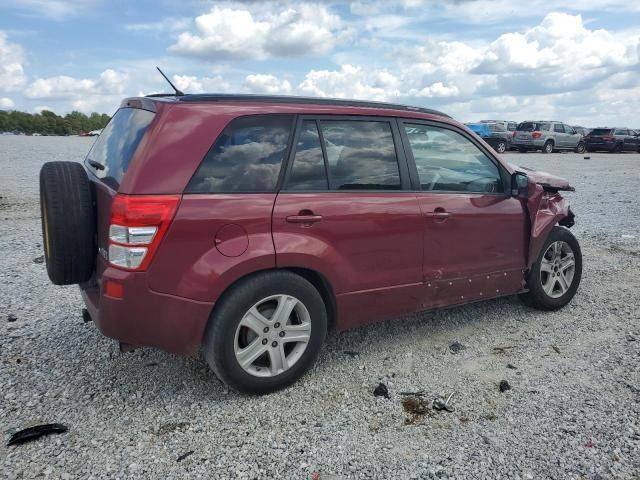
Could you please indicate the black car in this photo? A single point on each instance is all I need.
(613, 140)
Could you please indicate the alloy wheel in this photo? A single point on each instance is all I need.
(557, 269)
(502, 147)
(272, 335)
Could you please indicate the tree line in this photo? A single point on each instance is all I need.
(48, 123)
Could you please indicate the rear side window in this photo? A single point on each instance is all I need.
(246, 157)
(361, 155)
(308, 170)
(497, 127)
(117, 143)
(558, 128)
(448, 161)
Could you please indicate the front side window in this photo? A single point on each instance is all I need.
(361, 155)
(117, 143)
(246, 157)
(448, 161)
(308, 171)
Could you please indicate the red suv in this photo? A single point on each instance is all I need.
(249, 226)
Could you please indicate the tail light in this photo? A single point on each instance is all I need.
(514, 134)
(138, 224)
(536, 134)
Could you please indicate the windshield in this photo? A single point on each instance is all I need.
(117, 143)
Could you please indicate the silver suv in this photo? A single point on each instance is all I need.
(547, 136)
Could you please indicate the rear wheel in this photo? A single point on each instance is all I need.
(68, 222)
(555, 276)
(266, 332)
(617, 148)
(580, 148)
(548, 147)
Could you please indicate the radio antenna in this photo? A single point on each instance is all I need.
(179, 93)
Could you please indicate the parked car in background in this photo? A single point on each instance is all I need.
(613, 140)
(510, 125)
(270, 220)
(582, 130)
(548, 136)
(495, 134)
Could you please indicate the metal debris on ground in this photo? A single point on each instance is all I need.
(440, 404)
(456, 347)
(33, 433)
(511, 366)
(381, 391)
(555, 348)
(11, 318)
(39, 259)
(504, 386)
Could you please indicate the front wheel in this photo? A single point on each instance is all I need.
(266, 332)
(501, 147)
(555, 276)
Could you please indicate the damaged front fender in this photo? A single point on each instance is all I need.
(546, 209)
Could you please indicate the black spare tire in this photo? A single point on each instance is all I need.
(68, 222)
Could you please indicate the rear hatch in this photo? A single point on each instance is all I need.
(600, 135)
(529, 131)
(108, 161)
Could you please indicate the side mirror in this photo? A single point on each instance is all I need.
(519, 185)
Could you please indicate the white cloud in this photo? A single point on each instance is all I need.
(260, 83)
(437, 89)
(12, 74)
(6, 103)
(192, 84)
(170, 24)
(228, 33)
(63, 87)
(350, 82)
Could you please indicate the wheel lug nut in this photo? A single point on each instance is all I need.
(276, 325)
(265, 329)
(264, 341)
(274, 344)
(281, 334)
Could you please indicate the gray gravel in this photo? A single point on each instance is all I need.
(573, 410)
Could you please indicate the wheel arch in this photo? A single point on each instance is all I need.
(319, 282)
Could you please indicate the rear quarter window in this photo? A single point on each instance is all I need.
(246, 157)
(117, 143)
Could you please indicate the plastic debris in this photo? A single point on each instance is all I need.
(504, 386)
(456, 347)
(33, 433)
(381, 391)
(183, 456)
(511, 366)
(39, 259)
(11, 318)
(555, 348)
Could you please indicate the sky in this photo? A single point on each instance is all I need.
(576, 61)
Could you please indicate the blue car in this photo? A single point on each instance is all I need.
(495, 134)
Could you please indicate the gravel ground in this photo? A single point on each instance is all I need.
(573, 410)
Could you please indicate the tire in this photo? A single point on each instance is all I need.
(548, 147)
(617, 148)
(227, 333)
(68, 222)
(580, 148)
(501, 147)
(542, 297)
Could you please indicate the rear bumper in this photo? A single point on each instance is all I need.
(527, 143)
(601, 145)
(143, 317)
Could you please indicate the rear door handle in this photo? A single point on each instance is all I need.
(304, 218)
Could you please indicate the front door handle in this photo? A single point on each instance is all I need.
(439, 214)
(304, 216)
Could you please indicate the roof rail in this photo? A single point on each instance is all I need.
(226, 97)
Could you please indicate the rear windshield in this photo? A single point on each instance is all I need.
(117, 143)
(532, 126)
(601, 131)
(497, 127)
